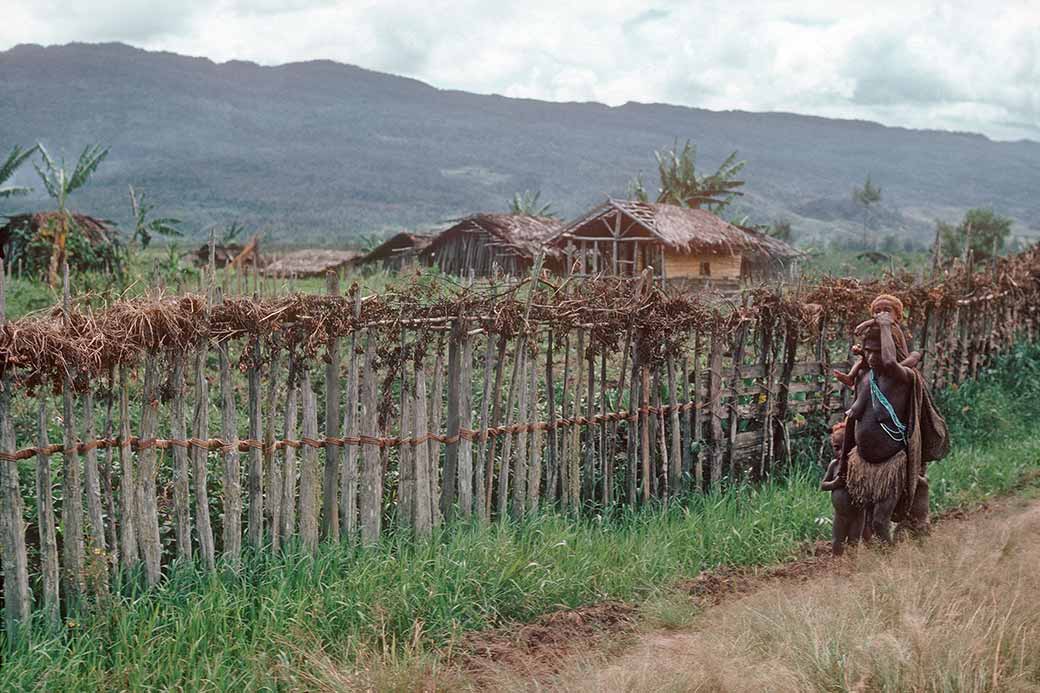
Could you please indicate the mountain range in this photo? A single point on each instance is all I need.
(320, 153)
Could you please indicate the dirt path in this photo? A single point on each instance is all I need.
(949, 612)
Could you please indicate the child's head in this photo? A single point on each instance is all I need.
(838, 437)
(887, 303)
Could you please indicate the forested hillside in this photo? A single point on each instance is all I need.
(318, 152)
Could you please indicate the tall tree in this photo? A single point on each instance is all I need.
(60, 183)
(682, 185)
(14, 160)
(527, 203)
(982, 232)
(866, 196)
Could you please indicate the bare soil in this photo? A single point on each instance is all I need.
(535, 655)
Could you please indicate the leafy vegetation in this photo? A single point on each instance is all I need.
(11, 164)
(982, 231)
(60, 183)
(866, 196)
(258, 627)
(682, 185)
(147, 226)
(527, 203)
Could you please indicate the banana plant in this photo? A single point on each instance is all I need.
(15, 159)
(60, 183)
(527, 203)
(146, 227)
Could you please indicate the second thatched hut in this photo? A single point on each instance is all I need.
(485, 243)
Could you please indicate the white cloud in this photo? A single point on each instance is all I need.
(949, 64)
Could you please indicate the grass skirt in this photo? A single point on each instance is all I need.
(870, 482)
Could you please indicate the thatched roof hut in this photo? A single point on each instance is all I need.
(27, 239)
(310, 263)
(97, 231)
(621, 237)
(395, 252)
(482, 242)
(230, 253)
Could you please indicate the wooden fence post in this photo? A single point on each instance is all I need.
(96, 561)
(574, 456)
(632, 425)
(451, 450)
(496, 420)
(675, 459)
(520, 461)
(534, 472)
(289, 472)
(17, 597)
(72, 489)
(330, 488)
(734, 401)
(423, 517)
(128, 482)
(255, 471)
(148, 530)
(371, 501)
(272, 470)
(111, 530)
(436, 409)
(45, 515)
(309, 469)
(507, 445)
(698, 414)
(349, 476)
(232, 468)
(200, 462)
(178, 430)
(588, 473)
(550, 407)
(715, 402)
(465, 445)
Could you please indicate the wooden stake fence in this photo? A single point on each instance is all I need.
(474, 423)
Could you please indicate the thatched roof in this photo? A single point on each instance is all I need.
(523, 234)
(310, 263)
(97, 231)
(680, 228)
(401, 243)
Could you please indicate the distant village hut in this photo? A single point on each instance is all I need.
(622, 237)
(396, 252)
(483, 242)
(310, 263)
(29, 242)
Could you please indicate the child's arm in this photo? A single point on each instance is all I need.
(833, 479)
(849, 380)
(912, 360)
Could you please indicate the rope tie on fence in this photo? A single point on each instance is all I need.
(246, 444)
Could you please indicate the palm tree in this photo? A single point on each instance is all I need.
(527, 203)
(682, 185)
(144, 227)
(15, 159)
(60, 184)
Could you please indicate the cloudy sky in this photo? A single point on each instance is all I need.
(970, 65)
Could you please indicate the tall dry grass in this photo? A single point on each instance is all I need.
(960, 612)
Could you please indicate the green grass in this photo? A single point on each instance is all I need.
(255, 629)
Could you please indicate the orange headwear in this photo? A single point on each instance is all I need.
(894, 305)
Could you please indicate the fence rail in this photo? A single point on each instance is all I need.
(439, 405)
